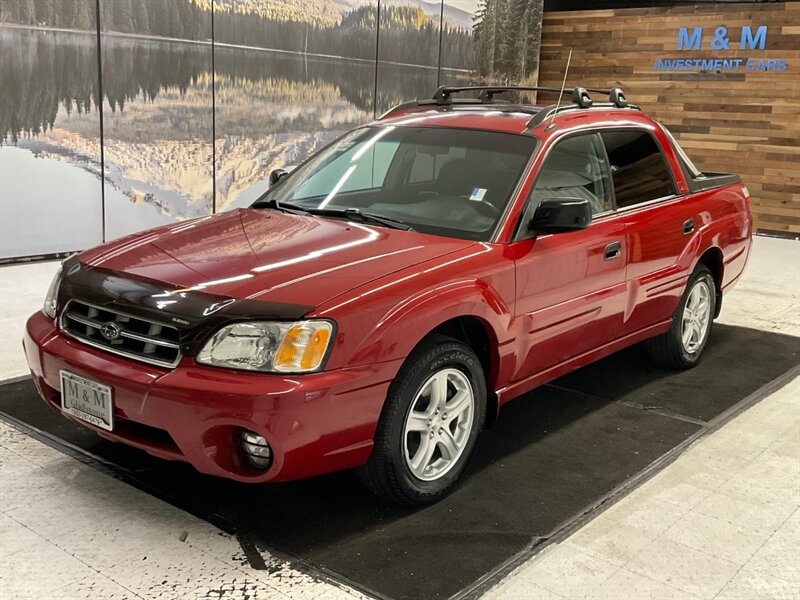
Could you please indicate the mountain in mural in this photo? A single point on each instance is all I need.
(330, 12)
(317, 12)
(453, 17)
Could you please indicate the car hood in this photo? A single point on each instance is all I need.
(269, 255)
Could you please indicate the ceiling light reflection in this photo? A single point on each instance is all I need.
(338, 186)
(371, 141)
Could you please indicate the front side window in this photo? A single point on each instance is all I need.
(638, 167)
(574, 168)
(445, 181)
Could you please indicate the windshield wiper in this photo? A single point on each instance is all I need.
(350, 213)
(355, 213)
(293, 209)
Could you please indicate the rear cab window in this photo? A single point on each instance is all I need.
(638, 167)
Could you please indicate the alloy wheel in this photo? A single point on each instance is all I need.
(696, 317)
(438, 424)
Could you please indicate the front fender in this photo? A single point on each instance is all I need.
(408, 323)
(388, 318)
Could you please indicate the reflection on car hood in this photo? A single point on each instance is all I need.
(269, 255)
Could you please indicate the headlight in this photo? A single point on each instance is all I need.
(267, 346)
(51, 300)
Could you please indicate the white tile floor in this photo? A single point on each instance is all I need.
(721, 522)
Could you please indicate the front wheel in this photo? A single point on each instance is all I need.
(429, 426)
(682, 345)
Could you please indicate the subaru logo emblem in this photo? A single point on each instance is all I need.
(110, 331)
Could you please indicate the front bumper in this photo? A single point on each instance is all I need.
(315, 423)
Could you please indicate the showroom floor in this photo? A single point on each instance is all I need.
(722, 521)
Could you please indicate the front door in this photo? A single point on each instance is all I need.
(570, 286)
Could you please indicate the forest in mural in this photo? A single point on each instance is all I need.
(183, 138)
(307, 26)
(507, 36)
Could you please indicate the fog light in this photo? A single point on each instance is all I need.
(256, 450)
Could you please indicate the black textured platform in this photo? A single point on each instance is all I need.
(552, 455)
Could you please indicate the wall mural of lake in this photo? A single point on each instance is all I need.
(200, 101)
(50, 171)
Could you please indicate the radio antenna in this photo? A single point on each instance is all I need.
(563, 85)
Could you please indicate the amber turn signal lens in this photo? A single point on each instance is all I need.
(303, 347)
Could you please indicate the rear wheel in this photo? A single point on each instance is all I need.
(430, 423)
(682, 345)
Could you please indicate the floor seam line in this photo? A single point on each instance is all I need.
(563, 388)
(102, 575)
(25, 458)
(576, 550)
(667, 584)
(664, 413)
(698, 550)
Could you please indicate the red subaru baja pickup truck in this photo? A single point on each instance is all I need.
(378, 305)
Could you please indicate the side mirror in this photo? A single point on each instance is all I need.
(276, 176)
(560, 215)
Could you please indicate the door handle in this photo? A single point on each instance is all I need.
(688, 226)
(613, 250)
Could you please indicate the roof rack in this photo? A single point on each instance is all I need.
(616, 100)
(486, 95)
(487, 92)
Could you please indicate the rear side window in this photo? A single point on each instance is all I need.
(638, 167)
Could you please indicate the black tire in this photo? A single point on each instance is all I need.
(668, 349)
(387, 473)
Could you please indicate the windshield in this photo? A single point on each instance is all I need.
(450, 182)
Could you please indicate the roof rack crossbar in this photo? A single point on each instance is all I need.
(486, 93)
(549, 111)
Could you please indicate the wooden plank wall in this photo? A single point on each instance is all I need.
(744, 122)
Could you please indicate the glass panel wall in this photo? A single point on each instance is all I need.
(201, 99)
(408, 52)
(50, 176)
(287, 83)
(157, 120)
(457, 64)
(506, 37)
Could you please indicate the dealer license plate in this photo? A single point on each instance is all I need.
(88, 400)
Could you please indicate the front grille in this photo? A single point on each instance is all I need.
(121, 334)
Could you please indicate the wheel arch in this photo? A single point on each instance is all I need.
(469, 310)
(713, 260)
(479, 336)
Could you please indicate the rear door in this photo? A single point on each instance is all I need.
(659, 224)
(570, 286)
